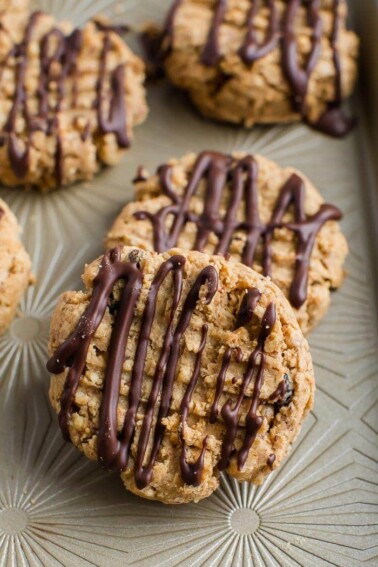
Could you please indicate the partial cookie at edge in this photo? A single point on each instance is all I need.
(82, 102)
(15, 267)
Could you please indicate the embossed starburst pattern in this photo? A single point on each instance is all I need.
(56, 508)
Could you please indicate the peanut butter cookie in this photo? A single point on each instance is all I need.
(264, 61)
(248, 209)
(70, 99)
(170, 368)
(15, 271)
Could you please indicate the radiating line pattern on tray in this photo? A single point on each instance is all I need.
(42, 512)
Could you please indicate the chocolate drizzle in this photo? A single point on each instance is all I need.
(283, 394)
(279, 393)
(334, 121)
(247, 307)
(211, 52)
(217, 169)
(141, 175)
(18, 151)
(167, 369)
(57, 51)
(113, 446)
(251, 50)
(115, 122)
(191, 472)
(298, 76)
(282, 31)
(229, 412)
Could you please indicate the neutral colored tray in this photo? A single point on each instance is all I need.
(56, 508)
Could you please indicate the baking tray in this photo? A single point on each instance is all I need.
(57, 508)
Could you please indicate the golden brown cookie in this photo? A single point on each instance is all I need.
(15, 271)
(170, 368)
(264, 61)
(8, 7)
(249, 209)
(70, 99)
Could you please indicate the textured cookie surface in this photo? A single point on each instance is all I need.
(268, 61)
(172, 367)
(69, 99)
(15, 274)
(249, 209)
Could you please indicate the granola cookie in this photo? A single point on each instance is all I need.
(170, 368)
(70, 99)
(15, 270)
(264, 61)
(249, 209)
(14, 6)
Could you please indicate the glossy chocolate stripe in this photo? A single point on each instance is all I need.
(229, 412)
(297, 75)
(191, 472)
(251, 50)
(211, 52)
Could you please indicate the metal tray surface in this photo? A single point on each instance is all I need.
(57, 508)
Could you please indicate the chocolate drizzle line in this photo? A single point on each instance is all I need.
(279, 393)
(216, 169)
(211, 52)
(115, 122)
(169, 25)
(247, 307)
(141, 175)
(191, 472)
(333, 122)
(229, 412)
(298, 76)
(251, 50)
(65, 52)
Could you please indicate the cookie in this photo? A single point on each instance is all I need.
(13, 6)
(249, 209)
(267, 61)
(170, 368)
(70, 99)
(15, 269)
